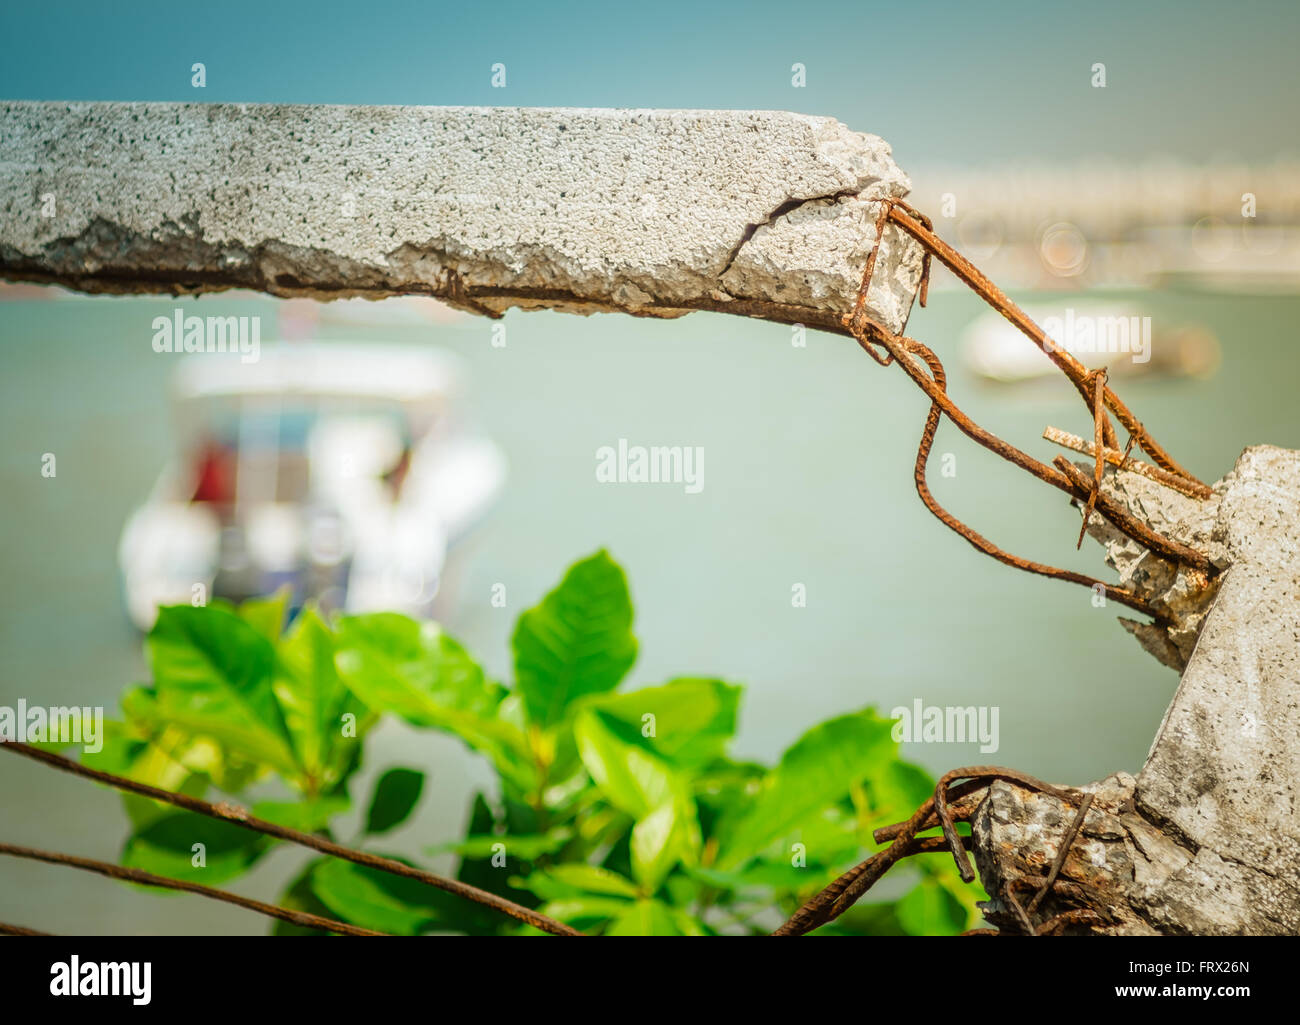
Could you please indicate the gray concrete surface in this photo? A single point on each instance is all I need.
(1206, 839)
(650, 212)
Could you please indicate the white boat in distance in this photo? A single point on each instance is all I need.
(338, 470)
(1115, 335)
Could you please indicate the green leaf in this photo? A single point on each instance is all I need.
(633, 779)
(660, 839)
(725, 788)
(775, 876)
(316, 704)
(213, 676)
(833, 837)
(645, 918)
(525, 847)
(582, 912)
(379, 900)
(266, 615)
(816, 771)
(166, 847)
(688, 925)
(229, 770)
(876, 918)
(645, 787)
(306, 816)
(480, 867)
(414, 670)
(126, 752)
(560, 881)
(969, 895)
(578, 641)
(687, 721)
(299, 897)
(898, 790)
(928, 909)
(396, 795)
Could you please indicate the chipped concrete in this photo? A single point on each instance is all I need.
(1206, 839)
(1180, 593)
(1224, 772)
(648, 212)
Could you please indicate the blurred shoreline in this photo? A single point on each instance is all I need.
(1222, 226)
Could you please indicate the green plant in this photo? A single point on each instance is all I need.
(618, 812)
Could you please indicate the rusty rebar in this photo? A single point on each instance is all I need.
(1092, 386)
(1066, 843)
(1174, 551)
(934, 385)
(990, 773)
(8, 929)
(1099, 442)
(1074, 370)
(964, 797)
(1121, 461)
(841, 894)
(143, 878)
(238, 816)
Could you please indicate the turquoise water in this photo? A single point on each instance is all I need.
(807, 480)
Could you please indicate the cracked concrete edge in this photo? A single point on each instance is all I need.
(1182, 594)
(1206, 839)
(1143, 878)
(1141, 875)
(654, 213)
(1224, 770)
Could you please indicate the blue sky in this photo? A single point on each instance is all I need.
(945, 82)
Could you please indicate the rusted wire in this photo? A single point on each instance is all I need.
(1175, 551)
(143, 878)
(6, 929)
(1099, 442)
(1022, 916)
(841, 894)
(1066, 844)
(1121, 460)
(965, 797)
(935, 844)
(988, 773)
(1092, 386)
(937, 379)
(238, 816)
(898, 212)
(1075, 916)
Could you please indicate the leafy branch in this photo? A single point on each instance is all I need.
(240, 817)
(615, 811)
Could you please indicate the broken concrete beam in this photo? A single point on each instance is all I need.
(1206, 839)
(1224, 773)
(648, 212)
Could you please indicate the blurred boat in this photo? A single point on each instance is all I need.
(1116, 336)
(340, 471)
